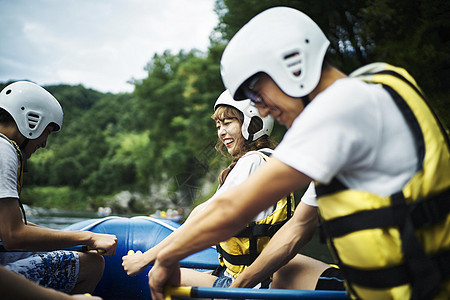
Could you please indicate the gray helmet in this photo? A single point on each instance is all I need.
(281, 42)
(32, 108)
(250, 113)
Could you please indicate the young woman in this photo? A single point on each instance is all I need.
(245, 136)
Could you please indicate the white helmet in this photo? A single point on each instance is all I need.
(250, 114)
(282, 42)
(32, 108)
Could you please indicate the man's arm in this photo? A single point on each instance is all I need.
(224, 217)
(16, 235)
(135, 263)
(283, 246)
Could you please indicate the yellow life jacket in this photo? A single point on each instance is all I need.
(240, 251)
(19, 171)
(396, 247)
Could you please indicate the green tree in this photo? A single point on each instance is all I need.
(414, 34)
(178, 97)
(411, 34)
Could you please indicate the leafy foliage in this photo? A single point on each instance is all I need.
(413, 34)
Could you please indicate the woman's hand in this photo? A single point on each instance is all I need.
(134, 263)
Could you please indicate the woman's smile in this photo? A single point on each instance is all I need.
(229, 132)
(228, 142)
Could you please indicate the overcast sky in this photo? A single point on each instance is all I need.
(98, 43)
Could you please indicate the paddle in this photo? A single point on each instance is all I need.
(83, 248)
(246, 293)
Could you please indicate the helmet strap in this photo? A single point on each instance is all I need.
(24, 144)
(247, 141)
(22, 148)
(305, 100)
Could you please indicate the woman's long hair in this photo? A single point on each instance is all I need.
(227, 112)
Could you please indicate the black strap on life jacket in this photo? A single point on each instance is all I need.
(439, 123)
(266, 153)
(22, 168)
(254, 231)
(412, 123)
(393, 276)
(424, 213)
(424, 272)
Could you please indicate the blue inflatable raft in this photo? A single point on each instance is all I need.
(137, 233)
(142, 233)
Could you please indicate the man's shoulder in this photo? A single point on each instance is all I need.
(350, 85)
(350, 92)
(6, 146)
(8, 153)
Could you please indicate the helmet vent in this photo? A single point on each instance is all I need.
(293, 62)
(33, 120)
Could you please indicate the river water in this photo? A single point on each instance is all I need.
(56, 218)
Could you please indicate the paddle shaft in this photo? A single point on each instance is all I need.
(75, 248)
(247, 293)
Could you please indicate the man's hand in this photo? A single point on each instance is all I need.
(161, 276)
(106, 242)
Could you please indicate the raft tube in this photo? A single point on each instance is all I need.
(137, 233)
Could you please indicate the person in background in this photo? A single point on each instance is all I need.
(28, 115)
(245, 135)
(377, 154)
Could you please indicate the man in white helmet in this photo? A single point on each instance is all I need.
(378, 156)
(28, 115)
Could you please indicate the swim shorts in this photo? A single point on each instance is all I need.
(225, 280)
(331, 279)
(56, 269)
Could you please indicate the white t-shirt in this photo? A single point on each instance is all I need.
(354, 131)
(8, 170)
(246, 165)
(310, 196)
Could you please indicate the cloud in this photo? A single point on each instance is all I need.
(98, 43)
